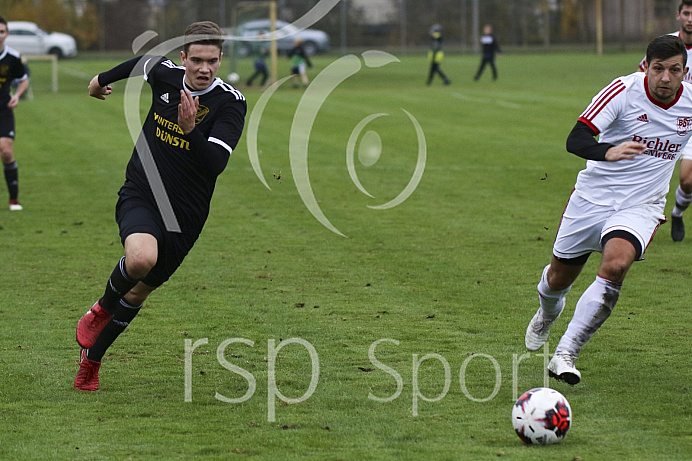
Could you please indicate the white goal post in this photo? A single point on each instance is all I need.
(54, 67)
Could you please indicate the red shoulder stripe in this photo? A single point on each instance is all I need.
(606, 96)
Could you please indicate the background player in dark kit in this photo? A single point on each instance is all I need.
(299, 60)
(490, 48)
(260, 51)
(11, 69)
(193, 125)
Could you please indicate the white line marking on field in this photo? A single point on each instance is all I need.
(75, 73)
(499, 102)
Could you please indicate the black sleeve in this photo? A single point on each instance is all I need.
(227, 129)
(581, 142)
(307, 60)
(20, 70)
(122, 71)
(213, 157)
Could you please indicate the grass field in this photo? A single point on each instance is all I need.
(451, 271)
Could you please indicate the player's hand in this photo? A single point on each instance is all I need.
(14, 101)
(97, 91)
(187, 111)
(625, 151)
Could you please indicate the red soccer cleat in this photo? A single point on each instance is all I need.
(91, 325)
(88, 375)
(15, 206)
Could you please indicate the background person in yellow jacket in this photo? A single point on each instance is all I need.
(435, 55)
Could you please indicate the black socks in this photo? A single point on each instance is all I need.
(11, 178)
(119, 283)
(122, 316)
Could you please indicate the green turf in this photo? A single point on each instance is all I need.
(452, 271)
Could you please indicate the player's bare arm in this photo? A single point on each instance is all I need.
(187, 111)
(97, 91)
(625, 151)
(14, 101)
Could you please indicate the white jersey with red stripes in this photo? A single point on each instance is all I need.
(625, 111)
(688, 75)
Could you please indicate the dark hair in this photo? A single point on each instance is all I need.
(684, 3)
(203, 33)
(4, 21)
(666, 47)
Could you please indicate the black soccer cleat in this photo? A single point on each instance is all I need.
(677, 229)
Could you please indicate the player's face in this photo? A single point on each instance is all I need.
(3, 34)
(201, 64)
(684, 17)
(665, 77)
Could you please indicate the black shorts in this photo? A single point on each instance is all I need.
(134, 215)
(7, 123)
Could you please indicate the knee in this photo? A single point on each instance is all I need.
(614, 271)
(686, 176)
(6, 155)
(138, 263)
(558, 281)
(686, 183)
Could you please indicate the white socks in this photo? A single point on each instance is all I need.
(593, 308)
(682, 201)
(550, 299)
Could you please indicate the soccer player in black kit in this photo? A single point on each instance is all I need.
(490, 47)
(11, 69)
(193, 125)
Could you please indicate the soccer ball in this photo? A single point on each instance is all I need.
(233, 77)
(541, 416)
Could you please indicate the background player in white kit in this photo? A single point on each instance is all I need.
(683, 193)
(644, 121)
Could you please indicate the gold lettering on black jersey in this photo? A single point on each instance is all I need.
(167, 124)
(202, 112)
(167, 137)
(4, 70)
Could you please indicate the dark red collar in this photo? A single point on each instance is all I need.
(659, 103)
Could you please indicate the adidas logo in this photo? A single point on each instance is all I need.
(164, 97)
(643, 118)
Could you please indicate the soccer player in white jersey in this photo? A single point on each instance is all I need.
(683, 193)
(643, 121)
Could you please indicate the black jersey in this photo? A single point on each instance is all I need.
(187, 164)
(490, 46)
(11, 68)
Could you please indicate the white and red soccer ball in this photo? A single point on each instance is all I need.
(541, 416)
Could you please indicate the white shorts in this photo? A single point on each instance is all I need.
(584, 224)
(299, 69)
